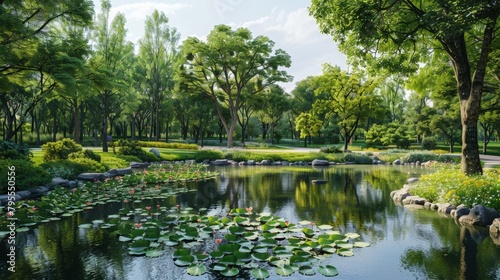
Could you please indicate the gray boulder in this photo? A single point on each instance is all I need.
(320, 162)
(396, 162)
(412, 180)
(91, 177)
(155, 151)
(495, 231)
(220, 162)
(38, 191)
(319, 182)
(140, 165)
(265, 162)
(479, 216)
(24, 194)
(57, 181)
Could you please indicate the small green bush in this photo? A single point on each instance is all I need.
(60, 149)
(133, 149)
(208, 155)
(357, 158)
(91, 155)
(331, 150)
(69, 169)
(26, 175)
(11, 150)
(429, 144)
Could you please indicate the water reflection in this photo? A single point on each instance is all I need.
(405, 244)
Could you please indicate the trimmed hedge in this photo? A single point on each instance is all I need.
(26, 175)
(60, 149)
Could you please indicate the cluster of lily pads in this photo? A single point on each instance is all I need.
(156, 182)
(240, 242)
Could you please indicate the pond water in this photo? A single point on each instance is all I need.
(405, 244)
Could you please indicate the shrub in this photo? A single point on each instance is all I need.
(11, 150)
(60, 149)
(331, 150)
(207, 155)
(133, 149)
(429, 144)
(168, 145)
(85, 154)
(357, 158)
(69, 169)
(26, 175)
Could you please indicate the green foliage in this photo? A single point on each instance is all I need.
(208, 155)
(388, 134)
(129, 148)
(168, 145)
(10, 150)
(423, 157)
(85, 154)
(26, 175)
(330, 149)
(429, 144)
(450, 185)
(113, 161)
(69, 169)
(60, 149)
(357, 158)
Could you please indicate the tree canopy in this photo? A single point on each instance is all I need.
(399, 34)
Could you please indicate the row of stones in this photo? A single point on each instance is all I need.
(478, 215)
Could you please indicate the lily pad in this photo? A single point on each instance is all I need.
(196, 269)
(154, 253)
(230, 272)
(361, 244)
(328, 270)
(85, 226)
(259, 273)
(285, 270)
(306, 270)
(184, 260)
(345, 252)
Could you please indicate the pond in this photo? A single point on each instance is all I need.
(405, 243)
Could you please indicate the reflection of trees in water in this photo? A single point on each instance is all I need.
(451, 249)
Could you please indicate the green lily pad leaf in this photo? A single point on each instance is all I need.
(304, 223)
(137, 252)
(268, 242)
(306, 270)
(345, 252)
(300, 261)
(325, 227)
(139, 245)
(114, 217)
(344, 245)
(328, 270)
(201, 257)
(285, 270)
(352, 235)
(229, 248)
(237, 230)
(97, 222)
(184, 260)
(22, 229)
(197, 269)
(230, 272)
(324, 241)
(216, 254)
(361, 244)
(228, 259)
(181, 252)
(259, 273)
(243, 256)
(232, 237)
(220, 267)
(329, 249)
(124, 238)
(260, 249)
(67, 215)
(85, 226)
(308, 232)
(336, 237)
(154, 253)
(260, 256)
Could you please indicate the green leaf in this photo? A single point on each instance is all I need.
(139, 245)
(328, 270)
(352, 235)
(285, 270)
(181, 252)
(228, 259)
(85, 226)
(306, 270)
(154, 253)
(229, 248)
(260, 256)
(361, 244)
(184, 260)
(308, 232)
(325, 227)
(259, 273)
(230, 272)
(345, 252)
(197, 269)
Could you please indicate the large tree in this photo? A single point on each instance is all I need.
(398, 34)
(224, 65)
(158, 49)
(344, 96)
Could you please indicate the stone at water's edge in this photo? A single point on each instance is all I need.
(320, 162)
(318, 182)
(495, 231)
(479, 216)
(155, 151)
(92, 176)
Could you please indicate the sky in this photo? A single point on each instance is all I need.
(286, 22)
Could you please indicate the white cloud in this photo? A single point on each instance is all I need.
(297, 25)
